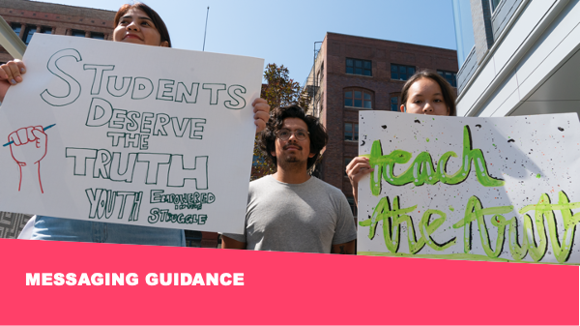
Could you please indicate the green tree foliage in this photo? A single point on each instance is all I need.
(279, 90)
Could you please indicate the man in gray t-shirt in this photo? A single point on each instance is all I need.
(290, 210)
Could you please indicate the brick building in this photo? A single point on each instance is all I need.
(355, 73)
(29, 17)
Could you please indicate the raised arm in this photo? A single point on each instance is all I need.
(356, 169)
(261, 113)
(10, 74)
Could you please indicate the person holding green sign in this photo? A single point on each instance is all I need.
(426, 92)
(139, 24)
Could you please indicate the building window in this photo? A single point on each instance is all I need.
(352, 204)
(395, 103)
(359, 67)
(98, 36)
(464, 35)
(30, 30)
(16, 28)
(46, 30)
(78, 33)
(358, 98)
(351, 131)
(450, 77)
(494, 4)
(400, 72)
(346, 161)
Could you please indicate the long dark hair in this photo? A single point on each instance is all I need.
(152, 14)
(317, 132)
(447, 90)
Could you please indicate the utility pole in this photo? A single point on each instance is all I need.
(205, 32)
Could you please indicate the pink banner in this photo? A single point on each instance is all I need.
(78, 283)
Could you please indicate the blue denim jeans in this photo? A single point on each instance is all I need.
(63, 229)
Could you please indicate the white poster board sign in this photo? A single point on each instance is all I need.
(130, 134)
(496, 189)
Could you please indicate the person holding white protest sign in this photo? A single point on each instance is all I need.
(139, 24)
(291, 210)
(426, 92)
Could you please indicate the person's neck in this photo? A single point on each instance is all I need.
(291, 176)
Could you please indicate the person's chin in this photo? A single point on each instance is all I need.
(132, 40)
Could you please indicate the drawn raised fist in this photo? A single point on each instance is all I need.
(31, 142)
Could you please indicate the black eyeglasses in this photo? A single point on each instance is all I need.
(285, 134)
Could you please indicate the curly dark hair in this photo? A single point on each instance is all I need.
(317, 132)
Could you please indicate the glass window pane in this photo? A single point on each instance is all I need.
(348, 127)
(367, 73)
(357, 94)
(349, 62)
(347, 102)
(16, 28)
(393, 68)
(346, 161)
(356, 131)
(358, 63)
(349, 70)
(30, 30)
(368, 104)
(402, 69)
(367, 65)
(98, 36)
(348, 94)
(358, 103)
(78, 33)
(394, 75)
(29, 36)
(358, 71)
(394, 103)
(347, 131)
(367, 96)
(410, 71)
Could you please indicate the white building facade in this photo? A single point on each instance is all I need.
(517, 57)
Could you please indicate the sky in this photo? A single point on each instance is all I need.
(284, 32)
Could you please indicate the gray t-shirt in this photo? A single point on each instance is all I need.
(307, 217)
